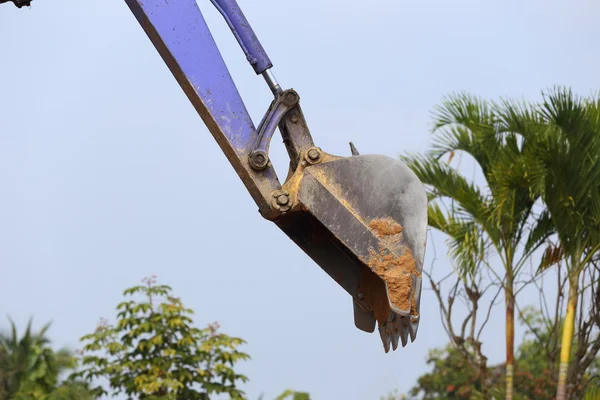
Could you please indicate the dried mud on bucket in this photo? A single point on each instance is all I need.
(394, 270)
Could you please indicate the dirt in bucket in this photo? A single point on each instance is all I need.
(394, 270)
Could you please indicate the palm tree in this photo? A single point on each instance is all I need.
(562, 165)
(28, 365)
(496, 217)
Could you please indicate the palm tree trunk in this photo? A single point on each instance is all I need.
(567, 335)
(510, 338)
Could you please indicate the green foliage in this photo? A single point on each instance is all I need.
(548, 151)
(538, 337)
(562, 164)
(496, 216)
(72, 391)
(66, 391)
(592, 394)
(476, 218)
(561, 156)
(453, 377)
(533, 352)
(292, 395)
(154, 352)
(395, 395)
(29, 367)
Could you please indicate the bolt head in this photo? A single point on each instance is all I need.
(294, 118)
(259, 161)
(361, 296)
(282, 200)
(313, 154)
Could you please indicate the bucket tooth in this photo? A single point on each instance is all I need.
(395, 337)
(385, 337)
(413, 328)
(413, 324)
(417, 283)
(404, 331)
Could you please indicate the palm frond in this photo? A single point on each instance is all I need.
(552, 255)
(518, 117)
(592, 393)
(466, 123)
(541, 231)
(462, 108)
(568, 160)
(466, 241)
(444, 181)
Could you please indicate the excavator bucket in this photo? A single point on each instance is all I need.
(363, 220)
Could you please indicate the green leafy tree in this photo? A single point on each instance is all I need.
(592, 394)
(71, 391)
(154, 352)
(452, 378)
(394, 395)
(29, 367)
(562, 165)
(533, 361)
(496, 216)
(292, 395)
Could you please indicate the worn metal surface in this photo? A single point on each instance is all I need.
(337, 202)
(296, 135)
(180, 34)
(285, 101)
(239, 25)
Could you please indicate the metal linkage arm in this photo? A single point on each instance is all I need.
(180, 34)
(259, 157)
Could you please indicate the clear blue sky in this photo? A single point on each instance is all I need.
(108, 175)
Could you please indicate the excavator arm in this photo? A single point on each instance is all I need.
(362, 218)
